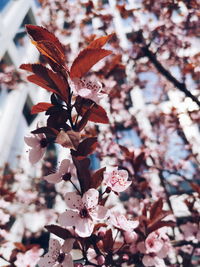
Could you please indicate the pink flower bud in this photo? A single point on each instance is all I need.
(100, 260)
(125, 257)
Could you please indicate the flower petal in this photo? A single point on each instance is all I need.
(54, 246)
(69, 218)
(90, 198)
(50, 258)
(46, 261)
(73, 200)
(36, 154)
(64, 166)
(31, 141)
(120, 188)
(84, 227)
(68, 262)
(53, 178)
(101, 213)
(123, 174)
(68, 245)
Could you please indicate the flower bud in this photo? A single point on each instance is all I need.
(125, 257)
(108, 189)
(100, 260)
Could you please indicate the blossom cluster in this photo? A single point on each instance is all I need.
(121, 214)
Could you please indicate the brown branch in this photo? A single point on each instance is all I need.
(185, 243)
(181, 86)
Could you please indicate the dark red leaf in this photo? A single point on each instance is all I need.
(83, 173)
(98, 43)
(97, 178)
(20, 246)
(139, 161)
(156, 208)
(84, 120)
(59, 231)
(48, 79)
(49, 132)
(128, 154)
(108, 241)
(69, 139)
(158, 218)
(94, 112)
(40, 107)
(47, 43)
(39, 33)
(85, 148)
(160, 224)
(85, 60)
(49, 50)
(98, 114)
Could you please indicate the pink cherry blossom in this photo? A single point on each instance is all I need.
(63, 173)
(58, 255)
(29, 258)
(117, 180)
(190, 231)
(155, 261)
(120, 221)
(130, 237)
(87, 89)
(84, 212)
(156, 247)
(38, 143)
(4, 218)
(153, 243)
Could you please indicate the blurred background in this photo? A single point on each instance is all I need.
(153, 85)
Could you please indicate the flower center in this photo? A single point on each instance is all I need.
(121, 181)
(67, 176)
(43, 142)
(61, 257)
(84, 213)
(117, 179)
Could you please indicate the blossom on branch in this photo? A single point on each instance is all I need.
(156, 247)
(38, 143)
(84, 212)
(87, 89)
(63, 173)
(29, 258)
(58, 255)
(117, 180)
(120, 221)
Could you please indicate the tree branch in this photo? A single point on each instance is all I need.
(181, 86)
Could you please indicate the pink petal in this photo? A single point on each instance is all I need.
(84, 227)
(50, 258)
(141, 247)
(153, 261)
(91, 198)
(124, 174)
(68, 262)
(36, 154)
(31, 141)
(101, 213)
(53, 178)
(69, 218)
(148, 260)
(120, 188)
(41, 136)
(133, 224)
(73, 200)
(64, 166)
(46, 261)
(54, 246)
(68, 245)
(84, 92)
